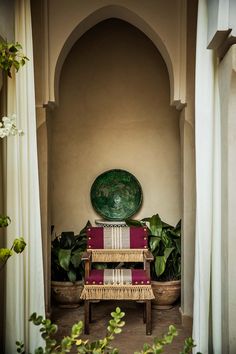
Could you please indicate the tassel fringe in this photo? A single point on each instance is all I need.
(108, 292)
(121, 255)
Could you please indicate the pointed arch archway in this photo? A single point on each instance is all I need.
(174, 58)
(122, 13)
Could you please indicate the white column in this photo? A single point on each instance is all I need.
(207, 287)
(227, 85)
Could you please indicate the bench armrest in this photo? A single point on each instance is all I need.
(148, 256)
(86, 256)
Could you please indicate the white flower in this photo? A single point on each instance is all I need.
(8, 127)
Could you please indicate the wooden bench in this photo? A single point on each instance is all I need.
(117, 244)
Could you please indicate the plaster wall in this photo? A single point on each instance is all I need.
(114, 112)
(164, 24)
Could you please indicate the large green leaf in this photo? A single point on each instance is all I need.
(64, 257)
(72, 275)
(178, 245)
(166, 239)
(131, 222)
(156, 225)
(19, 245)
(160, 261)
(167, 252)
(76, 258)
(67, 239)
(80, 244)
(160, 265)
(154, 243)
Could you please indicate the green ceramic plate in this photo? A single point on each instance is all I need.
(116, 195)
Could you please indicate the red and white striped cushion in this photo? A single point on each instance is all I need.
(117, 277)
(117, 238)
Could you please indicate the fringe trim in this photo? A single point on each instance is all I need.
(108, 292)
(118, 255)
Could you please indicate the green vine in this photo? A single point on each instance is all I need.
(11, 56)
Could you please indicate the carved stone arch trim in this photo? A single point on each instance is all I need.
(125, 14)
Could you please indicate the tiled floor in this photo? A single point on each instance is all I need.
(133, 335)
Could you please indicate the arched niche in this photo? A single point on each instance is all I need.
(174, 58)
(114, 112)
(119, 12)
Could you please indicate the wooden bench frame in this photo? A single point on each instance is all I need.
(147, 313)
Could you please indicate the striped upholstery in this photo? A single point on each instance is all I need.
(117, 238)
(117, 277)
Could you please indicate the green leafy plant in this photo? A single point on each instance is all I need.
(17, 247)
(48, 331)
(158, 344)
(11, 56)
(66, 252)
(100, 346)
(165, 245)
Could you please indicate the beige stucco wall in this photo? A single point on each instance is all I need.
(114, 112)
(164, 24)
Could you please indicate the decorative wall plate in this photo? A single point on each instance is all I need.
(116, 195)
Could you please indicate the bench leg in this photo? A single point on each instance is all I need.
(148, 318)
(90, 312)
(144, 312)
(86, 316)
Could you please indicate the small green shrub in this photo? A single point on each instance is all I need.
(48, 331)
(100, 346)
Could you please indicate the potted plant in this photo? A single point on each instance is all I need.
(165, 245)
(67, 270)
